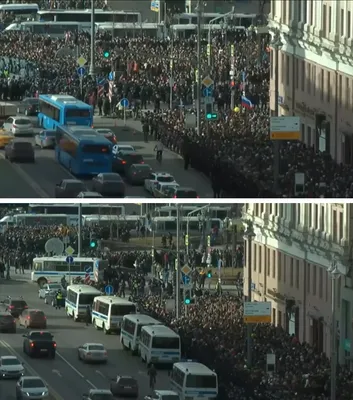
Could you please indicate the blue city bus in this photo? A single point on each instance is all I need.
(56, 110)
(82, 150)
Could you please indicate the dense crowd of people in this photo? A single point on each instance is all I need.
(214, 333)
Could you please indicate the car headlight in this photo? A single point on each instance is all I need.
(44, 393)
(27, 394)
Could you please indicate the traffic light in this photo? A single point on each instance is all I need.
(209, 274)
(187, 300)
(106, 54)
(93, 242)
(210, 114)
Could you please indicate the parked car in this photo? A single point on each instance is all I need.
(32, 318)
(123, 159)
(69, 188)
(180, 192)
(123, 147)
(137, 173)
(19, 151)
(107, 133)
(124, 386)
(158, 177)
(109, 184)
(18, 126)
(49, 290)
(89, 195)
(46, 139)
(29, 106)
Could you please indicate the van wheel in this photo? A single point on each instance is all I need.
(105, 330)
(41, 282)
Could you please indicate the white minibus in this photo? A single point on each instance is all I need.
(159, 344)
(78, 297)
(108, 312)
(131, 329)
(192, 380)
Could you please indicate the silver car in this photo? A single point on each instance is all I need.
(92, 352)
(49, 290)
(31, 387)
(10, 367)
(46, 139)
(18, 126)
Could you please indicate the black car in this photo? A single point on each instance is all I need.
(7, 323)
(39, 343)
(14, 306)
(29, 106)
(69, 188)
(109, 184)
(124, 159)
(19, 151)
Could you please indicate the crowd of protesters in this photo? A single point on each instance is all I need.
(213, 333)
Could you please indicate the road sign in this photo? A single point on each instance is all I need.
(69, 259)
(111, 76)
(155, 5)
(88, 269)
(257, 312)
(69, 251)
(186, 270)
(207, 81)
(55, 246)
(108, 289)
(285, 128)
(208, 91)
(185, 279)
(81, 61)
(101, 81)
(124, 103)
(81, 71)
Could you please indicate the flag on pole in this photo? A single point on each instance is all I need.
(246, 103)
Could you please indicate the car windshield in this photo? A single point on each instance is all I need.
(41, 336)
(96, 347)
(37, 314)
(22, 122)
(86, 299)
(22, 145)
(185, 194)
(19, 303)
(126, 381)
(10, 361)
(165, 179)
(74, 185)
(171, 397)
(126, 148)
(33, 383)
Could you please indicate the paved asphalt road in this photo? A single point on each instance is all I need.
(38, 180)
(66, 376)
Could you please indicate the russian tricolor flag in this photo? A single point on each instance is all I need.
(246, 103)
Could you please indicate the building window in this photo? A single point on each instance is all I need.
(302, 80)
(347, 96)
(275, 209)
(311, 11)
(313, 79)
(287, 70)
(260, 258)
(349, 26)
(329, 19)
(308, 276)
(328, 91)
(326, 286)
(274, 262)
(308, 78)
(340, 90)
(291, 272)
(268, 262)
(334, 226)
(321, 283)
(324, 19)
(314, 279)
(342, 22)
(298, 214)
(310, 214)
(316, 216)
(297, 276)
(322, 218)
(341, 231)
(284, 10)
(281, 209)
(297, 73)
(262, 208)
(279, 266)
(283, 67)
(285, 269)
(322, 83)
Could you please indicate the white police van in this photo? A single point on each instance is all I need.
(78, 297)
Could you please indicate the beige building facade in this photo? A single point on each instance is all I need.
(292, 251)
(315, 72)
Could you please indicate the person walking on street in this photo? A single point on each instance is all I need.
(152, 373)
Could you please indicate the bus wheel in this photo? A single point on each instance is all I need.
(41, 282)
(105, 330)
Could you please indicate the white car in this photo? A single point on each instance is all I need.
(89, 195)
(158, 177)
(48, 290)
(123, 147)
(92, 352)
(107, 133)
(31, 387)
(18, 126)
(162, 189)
(11, 367)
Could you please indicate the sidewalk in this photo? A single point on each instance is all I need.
(19, 276)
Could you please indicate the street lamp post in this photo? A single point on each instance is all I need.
(197, 210)
(177, 267)
(249, 234)
(92, 69)
(334, 272)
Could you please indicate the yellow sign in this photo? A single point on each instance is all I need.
(208, 49)
(257, 319)
(186, 270)
(285, 135)
(69, 251)
(208, 241)
(207, 81)
(81, 61)
(186, 240)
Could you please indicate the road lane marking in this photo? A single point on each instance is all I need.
(27, 179)
(76, 370)
(30, 369)
(101, 374)
(57, 372)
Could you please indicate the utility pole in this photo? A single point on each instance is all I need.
(334, 272)
(198, 83)
(79, 231)
(171, 83)
(249, 234)
(276, 143)
(92, 69)
(177, 267)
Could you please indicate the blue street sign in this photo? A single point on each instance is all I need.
(81, 71)
(185, 279)
(109, 289)
(69, 259)
(101, 81)
(208, 92)
(124, 102)
(88, 269)
(111, 76)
